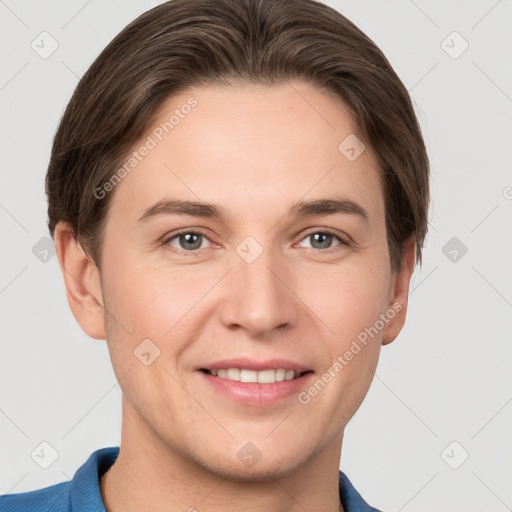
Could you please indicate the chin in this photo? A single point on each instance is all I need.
(248, 464)
(260, 472)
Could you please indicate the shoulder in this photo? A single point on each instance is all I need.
(81, 494)
(350, 498)
(54, 498)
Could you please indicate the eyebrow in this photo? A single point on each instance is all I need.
(299, 209)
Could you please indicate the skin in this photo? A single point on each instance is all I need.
(255, 151)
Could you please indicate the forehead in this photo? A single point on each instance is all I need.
(262, 146)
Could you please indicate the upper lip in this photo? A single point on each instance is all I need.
(253, 364)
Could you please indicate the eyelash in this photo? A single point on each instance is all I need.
(336, 234)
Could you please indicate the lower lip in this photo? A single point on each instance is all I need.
(254, 393)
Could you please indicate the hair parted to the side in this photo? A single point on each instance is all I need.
(186, 43)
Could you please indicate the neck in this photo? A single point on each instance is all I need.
(151, 475)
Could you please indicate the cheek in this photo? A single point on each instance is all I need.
(350, 305)
(346, 300)
(148, 315)
(155, 303)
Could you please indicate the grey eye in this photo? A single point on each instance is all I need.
(322, 240)
(188, 241)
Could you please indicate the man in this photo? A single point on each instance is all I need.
(238, 193)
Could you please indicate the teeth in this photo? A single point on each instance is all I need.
(233, 374)
(262, 377)
(289, 375)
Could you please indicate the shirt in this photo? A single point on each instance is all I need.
(82, 493)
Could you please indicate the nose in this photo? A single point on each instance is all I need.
(261, 297)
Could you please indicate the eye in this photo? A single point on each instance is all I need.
(323, 239)
(188, 241)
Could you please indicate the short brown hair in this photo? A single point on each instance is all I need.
(185, 43)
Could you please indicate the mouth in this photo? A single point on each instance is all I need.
(266, 376)
(255, 383)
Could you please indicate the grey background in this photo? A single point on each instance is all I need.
(446, 378)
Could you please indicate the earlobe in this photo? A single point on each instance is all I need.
(397, 306)
(82, 282)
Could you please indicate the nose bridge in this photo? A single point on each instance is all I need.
(260, 300)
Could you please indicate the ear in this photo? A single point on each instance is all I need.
(82, 281)
(400, 293)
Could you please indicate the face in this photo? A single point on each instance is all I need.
(251, 277)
